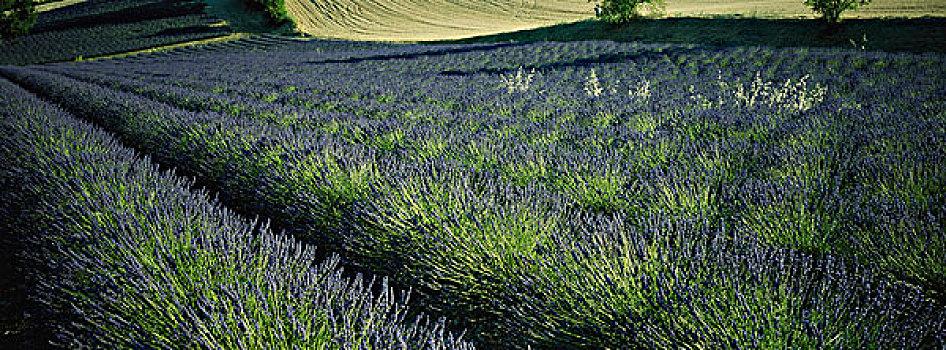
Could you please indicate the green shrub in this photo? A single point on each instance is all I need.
(623, 11)
(830, 10)
(275, 10)
(16, 17)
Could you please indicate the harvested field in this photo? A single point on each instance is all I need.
(422, 20)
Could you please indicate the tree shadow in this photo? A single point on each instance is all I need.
(579, 62)
(412, 53)
(927, 34)
(144, 12)
(187, 31)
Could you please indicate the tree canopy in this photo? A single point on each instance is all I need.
(623, 11)
(16, 17)
(830, 10)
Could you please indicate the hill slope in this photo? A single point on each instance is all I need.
(410, 20)
(421, 20)
(96, 28)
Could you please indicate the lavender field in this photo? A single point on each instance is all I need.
(104, 27)
(543, 195)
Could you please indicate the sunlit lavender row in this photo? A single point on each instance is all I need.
(129, 258)
(586, 195)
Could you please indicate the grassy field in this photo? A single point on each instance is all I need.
(414, 20)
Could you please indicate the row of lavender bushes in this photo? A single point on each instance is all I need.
(127, 256)
(573, 212)
(97, 28)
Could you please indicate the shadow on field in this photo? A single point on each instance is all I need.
(192, 30)
(24, 322)
(580, 62)
(142, 13)
(410, 55)
(926, 34)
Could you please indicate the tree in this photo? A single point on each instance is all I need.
(623, 11)
(16, 17)
(830, 10)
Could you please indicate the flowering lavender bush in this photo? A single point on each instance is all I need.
(139, 261)
(688, 196)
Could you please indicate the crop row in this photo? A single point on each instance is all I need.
(128, 257)
(556, 215)
(260, 42)
(102, 28)
(465, 114)
(113, 12)
(82, 10)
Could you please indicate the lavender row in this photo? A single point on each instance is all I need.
(664, 100)
(85, 10)
(646, 81)
(474, 238)
(111, 27)
(129, 257)
(451, 75)
(238, 46)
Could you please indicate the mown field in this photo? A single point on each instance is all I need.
(545, 195)
(415, 20)
(434, 20)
